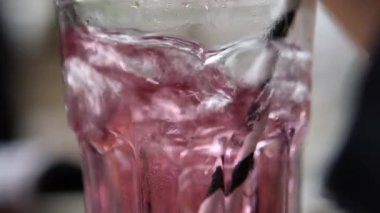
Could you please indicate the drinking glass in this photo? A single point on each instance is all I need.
(188, 106)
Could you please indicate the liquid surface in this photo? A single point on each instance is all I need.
(166, 125)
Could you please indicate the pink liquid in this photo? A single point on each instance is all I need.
(166, 125)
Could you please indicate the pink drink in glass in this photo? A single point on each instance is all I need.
(169, 125)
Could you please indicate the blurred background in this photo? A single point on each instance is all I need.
(39, 157)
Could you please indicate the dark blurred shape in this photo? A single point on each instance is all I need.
(61, 177)
(354, 179)
(7, 131)
(7, 210)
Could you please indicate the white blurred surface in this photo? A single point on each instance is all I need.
(336, 76)
(21, 164)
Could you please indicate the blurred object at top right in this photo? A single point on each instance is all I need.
(353, 179)
(359, 18)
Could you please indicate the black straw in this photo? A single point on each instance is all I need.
(281, 28)
(217, 181)
(241, 172)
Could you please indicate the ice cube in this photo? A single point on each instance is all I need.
(91, 96)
